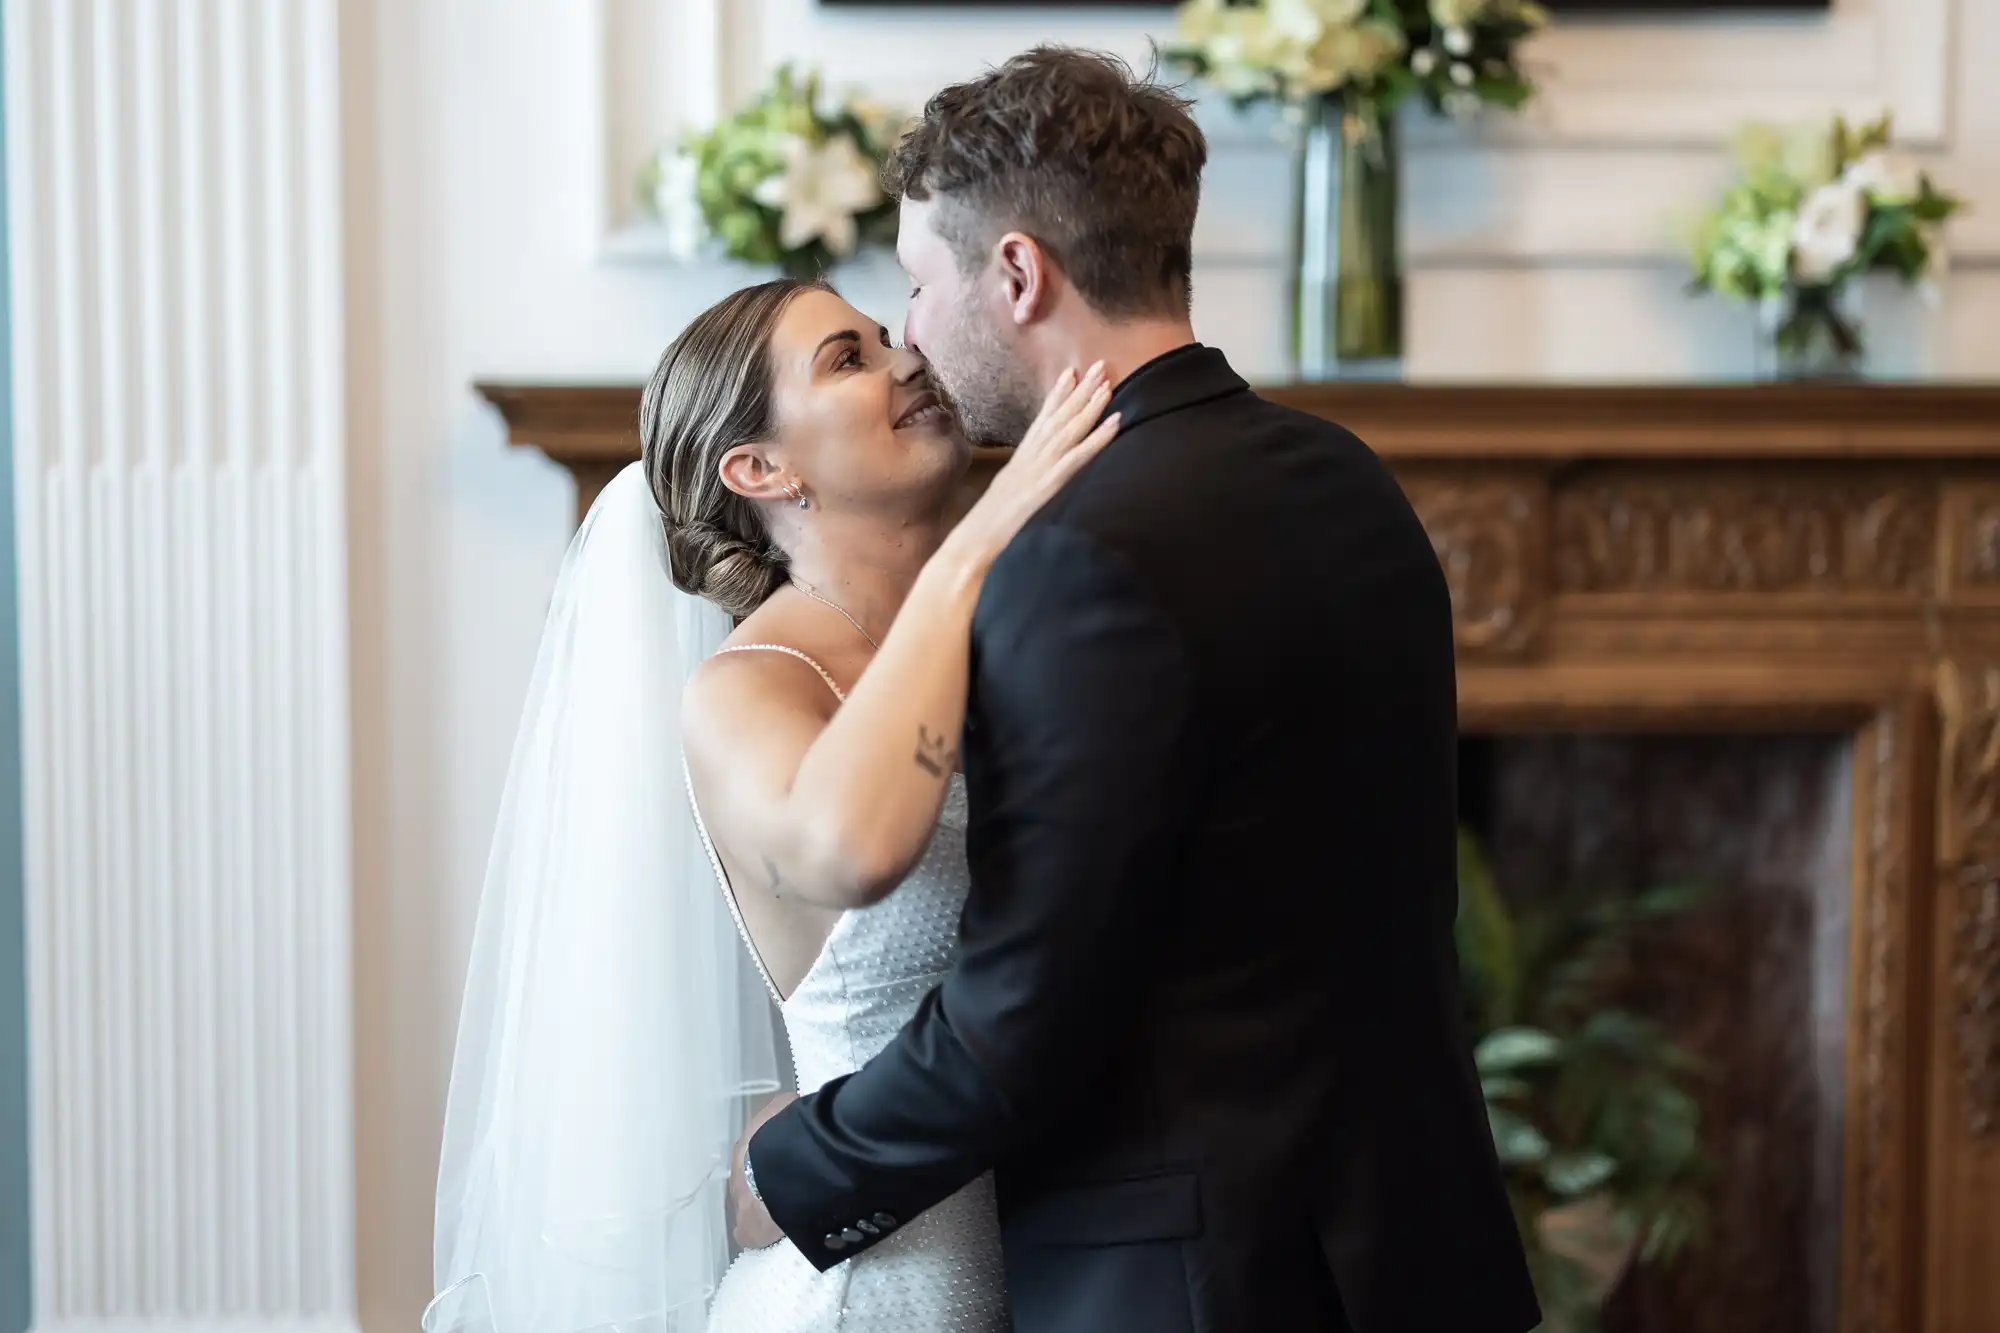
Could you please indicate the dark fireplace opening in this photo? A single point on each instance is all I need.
(1752, 980)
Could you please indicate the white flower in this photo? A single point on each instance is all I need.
(1457, 41)
(1347, 55)
(1461, 74)
(1236, 79)
(1423, 62)
(820, 189)
(1888, 178)
(1244, 51)
(1826, 232)
(1197, 23)
(1306, 21)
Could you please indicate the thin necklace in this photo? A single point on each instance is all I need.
(806, 588)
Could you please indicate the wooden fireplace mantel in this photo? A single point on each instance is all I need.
(1702, 558)
(592, 428)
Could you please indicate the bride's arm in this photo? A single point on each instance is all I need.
(834, 805)
(827, 803)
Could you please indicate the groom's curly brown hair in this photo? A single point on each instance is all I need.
(1100, 165)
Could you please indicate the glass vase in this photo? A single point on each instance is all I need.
(1811, 334)
(1347, 295)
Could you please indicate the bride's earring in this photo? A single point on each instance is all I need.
(798, 492)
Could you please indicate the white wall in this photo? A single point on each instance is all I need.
(179, 459)
(486, 155)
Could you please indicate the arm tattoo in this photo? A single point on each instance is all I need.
(936, 755)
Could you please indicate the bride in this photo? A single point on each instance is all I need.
(677, 872)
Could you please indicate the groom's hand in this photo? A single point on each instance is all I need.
(754, 1228)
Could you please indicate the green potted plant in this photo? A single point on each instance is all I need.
(1598, 1136)
(788, 180)
(1811, 211)
(1342, 68)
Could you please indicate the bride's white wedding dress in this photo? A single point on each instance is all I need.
(614, 1033)
(937, 1272)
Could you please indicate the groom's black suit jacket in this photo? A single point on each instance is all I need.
(1206, 1024)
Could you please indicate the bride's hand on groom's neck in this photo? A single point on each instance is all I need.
(1068, 433)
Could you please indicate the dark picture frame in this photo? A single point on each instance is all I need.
(1559, 6)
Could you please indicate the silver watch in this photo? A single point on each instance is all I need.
(750, 1178)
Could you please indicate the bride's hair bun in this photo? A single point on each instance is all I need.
(735, 573)
(710, 393)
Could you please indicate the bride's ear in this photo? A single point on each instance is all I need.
(751, 473)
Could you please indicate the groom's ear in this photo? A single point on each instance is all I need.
(1026, 276)
(749, 472)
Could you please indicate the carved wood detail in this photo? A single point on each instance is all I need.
(1972, 559)
(1979, 549)
(1489, 537)
(1877, 1172)
(1969, 848)
(1969, 705)
(1975, 978)
(1748, 534)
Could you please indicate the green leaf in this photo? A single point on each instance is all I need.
(1488, 946)
(1510, 93)
(1584, 1098)
(1517, 1141)
(1932, 206)
(1619, 1032)
(1571, 1174)
(1885, 226)
(1673, 1119)
(1667, 900)
(1511, 1049)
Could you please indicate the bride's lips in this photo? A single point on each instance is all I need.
(924, 410)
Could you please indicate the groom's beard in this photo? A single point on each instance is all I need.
(983, 385)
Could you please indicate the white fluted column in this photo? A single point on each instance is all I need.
(173, 179)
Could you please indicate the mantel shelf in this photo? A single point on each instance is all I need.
(591, 428)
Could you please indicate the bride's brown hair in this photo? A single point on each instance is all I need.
(710, 393)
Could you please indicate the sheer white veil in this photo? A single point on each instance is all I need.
(614, 1031)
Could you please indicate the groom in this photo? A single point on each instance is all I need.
(1205, 1025)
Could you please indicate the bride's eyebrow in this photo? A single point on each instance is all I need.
(842, 336)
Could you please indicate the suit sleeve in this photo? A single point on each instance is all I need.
(1083, 756)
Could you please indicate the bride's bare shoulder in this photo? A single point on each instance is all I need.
(766, 683)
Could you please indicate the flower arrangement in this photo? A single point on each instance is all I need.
(1810, 211)
(783, 181)
(1598, 1137)
(1458, 55)
(1343, 68)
